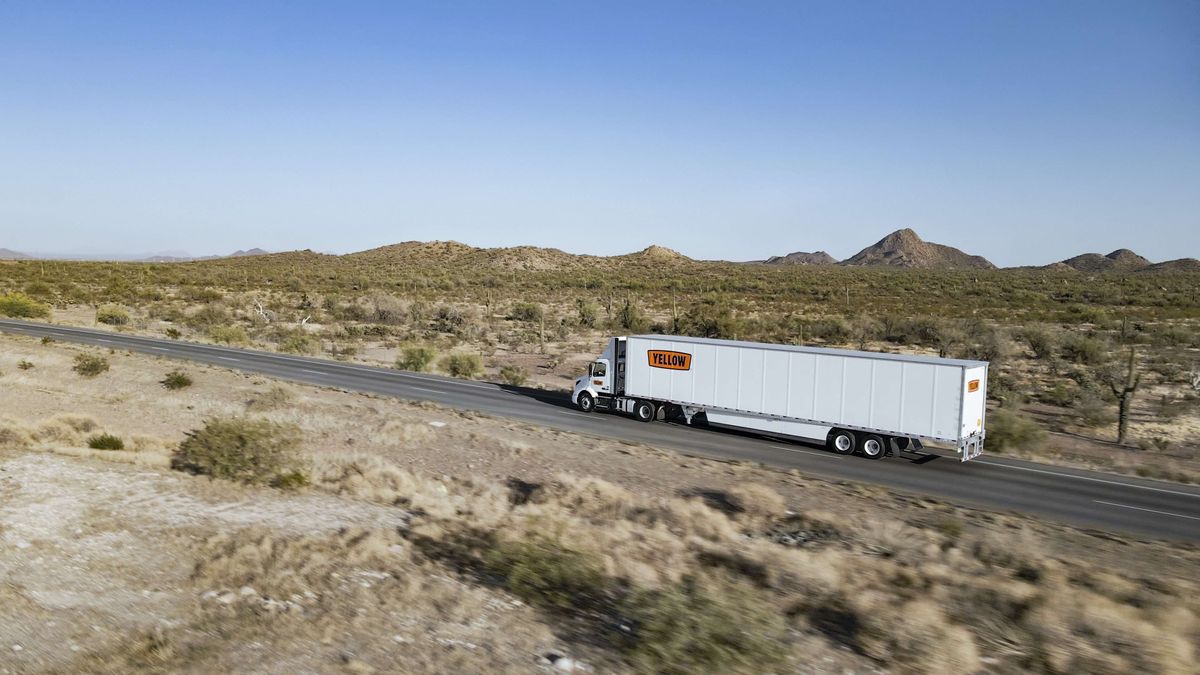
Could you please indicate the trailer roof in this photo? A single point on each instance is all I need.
(910, 358)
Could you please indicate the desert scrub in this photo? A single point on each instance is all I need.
(173, 333)
(702, 625)
(105, 441)
(176, 379)
(529, 312)
(463, 365)
(299, 342)
(24, 364)
(1007, 430)
(112, 315)
(416, 358)
(230, 335)
(514, 375)
(272, 399)
(1084, 350)
(255, 452)
(545, 571)
(21, 306)
(90, 365)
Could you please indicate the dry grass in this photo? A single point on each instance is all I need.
(910, 598)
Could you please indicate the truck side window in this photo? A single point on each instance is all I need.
(599, 369)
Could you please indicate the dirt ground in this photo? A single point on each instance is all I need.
(101, 551)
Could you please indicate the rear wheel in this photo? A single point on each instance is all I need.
(841, 441)
(872, 447)
(586, 402)
(644, 411)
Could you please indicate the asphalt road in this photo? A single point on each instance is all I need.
(1110, 502)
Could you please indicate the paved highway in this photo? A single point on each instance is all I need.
(1144, 508)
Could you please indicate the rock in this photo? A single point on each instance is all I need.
(247, 591)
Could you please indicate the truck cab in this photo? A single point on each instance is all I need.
(603, 385)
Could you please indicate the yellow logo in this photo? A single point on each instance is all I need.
(669, 360)
(973, 386)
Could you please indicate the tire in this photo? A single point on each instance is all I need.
(586, 402)
(842, 441)
(872, 446)
(644, 411)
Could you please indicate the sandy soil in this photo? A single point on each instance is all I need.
(97, 546)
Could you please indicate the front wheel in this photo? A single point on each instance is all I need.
(586, 402)
(644, 411)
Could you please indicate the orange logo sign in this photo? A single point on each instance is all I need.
(669, 360)
(973, 385)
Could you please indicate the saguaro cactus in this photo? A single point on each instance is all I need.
(1124, 388)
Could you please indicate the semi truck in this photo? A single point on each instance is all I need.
(870, 403)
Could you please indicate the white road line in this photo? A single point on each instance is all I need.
(1138, 508)
(226, 358)
(1094, 480)
(103, 340)
(314, 372)
(432, 391)
(807, 452)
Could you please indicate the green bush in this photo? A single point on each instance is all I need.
(39, 289)
(299, 342)
(588, 311)
(631, 318)
(256, 452)
(416, 358)
(230, 335)
(1093, 411)
(90, 365)
(526, 311)
(1084, 350)
(173, 333)
(24, 364)
(543, 571)
(463, 365)
(105, 442)
(1041, 341)
(514, 375)
(698, 627)
(1007, 430)
(176, 379)
(21, 306)
(112, 315)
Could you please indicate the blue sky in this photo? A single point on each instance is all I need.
(1024, 131)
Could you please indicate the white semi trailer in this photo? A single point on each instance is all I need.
(853, 401)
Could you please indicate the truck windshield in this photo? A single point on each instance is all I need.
(599, 369)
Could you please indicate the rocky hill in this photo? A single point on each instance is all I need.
(903, 248)
(1120, 260)
(802, 258)
(9, 254)
(1177, 265)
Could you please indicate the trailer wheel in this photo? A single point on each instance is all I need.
(644, 411)
(586, 402)
(872, 447)
(841, 441)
